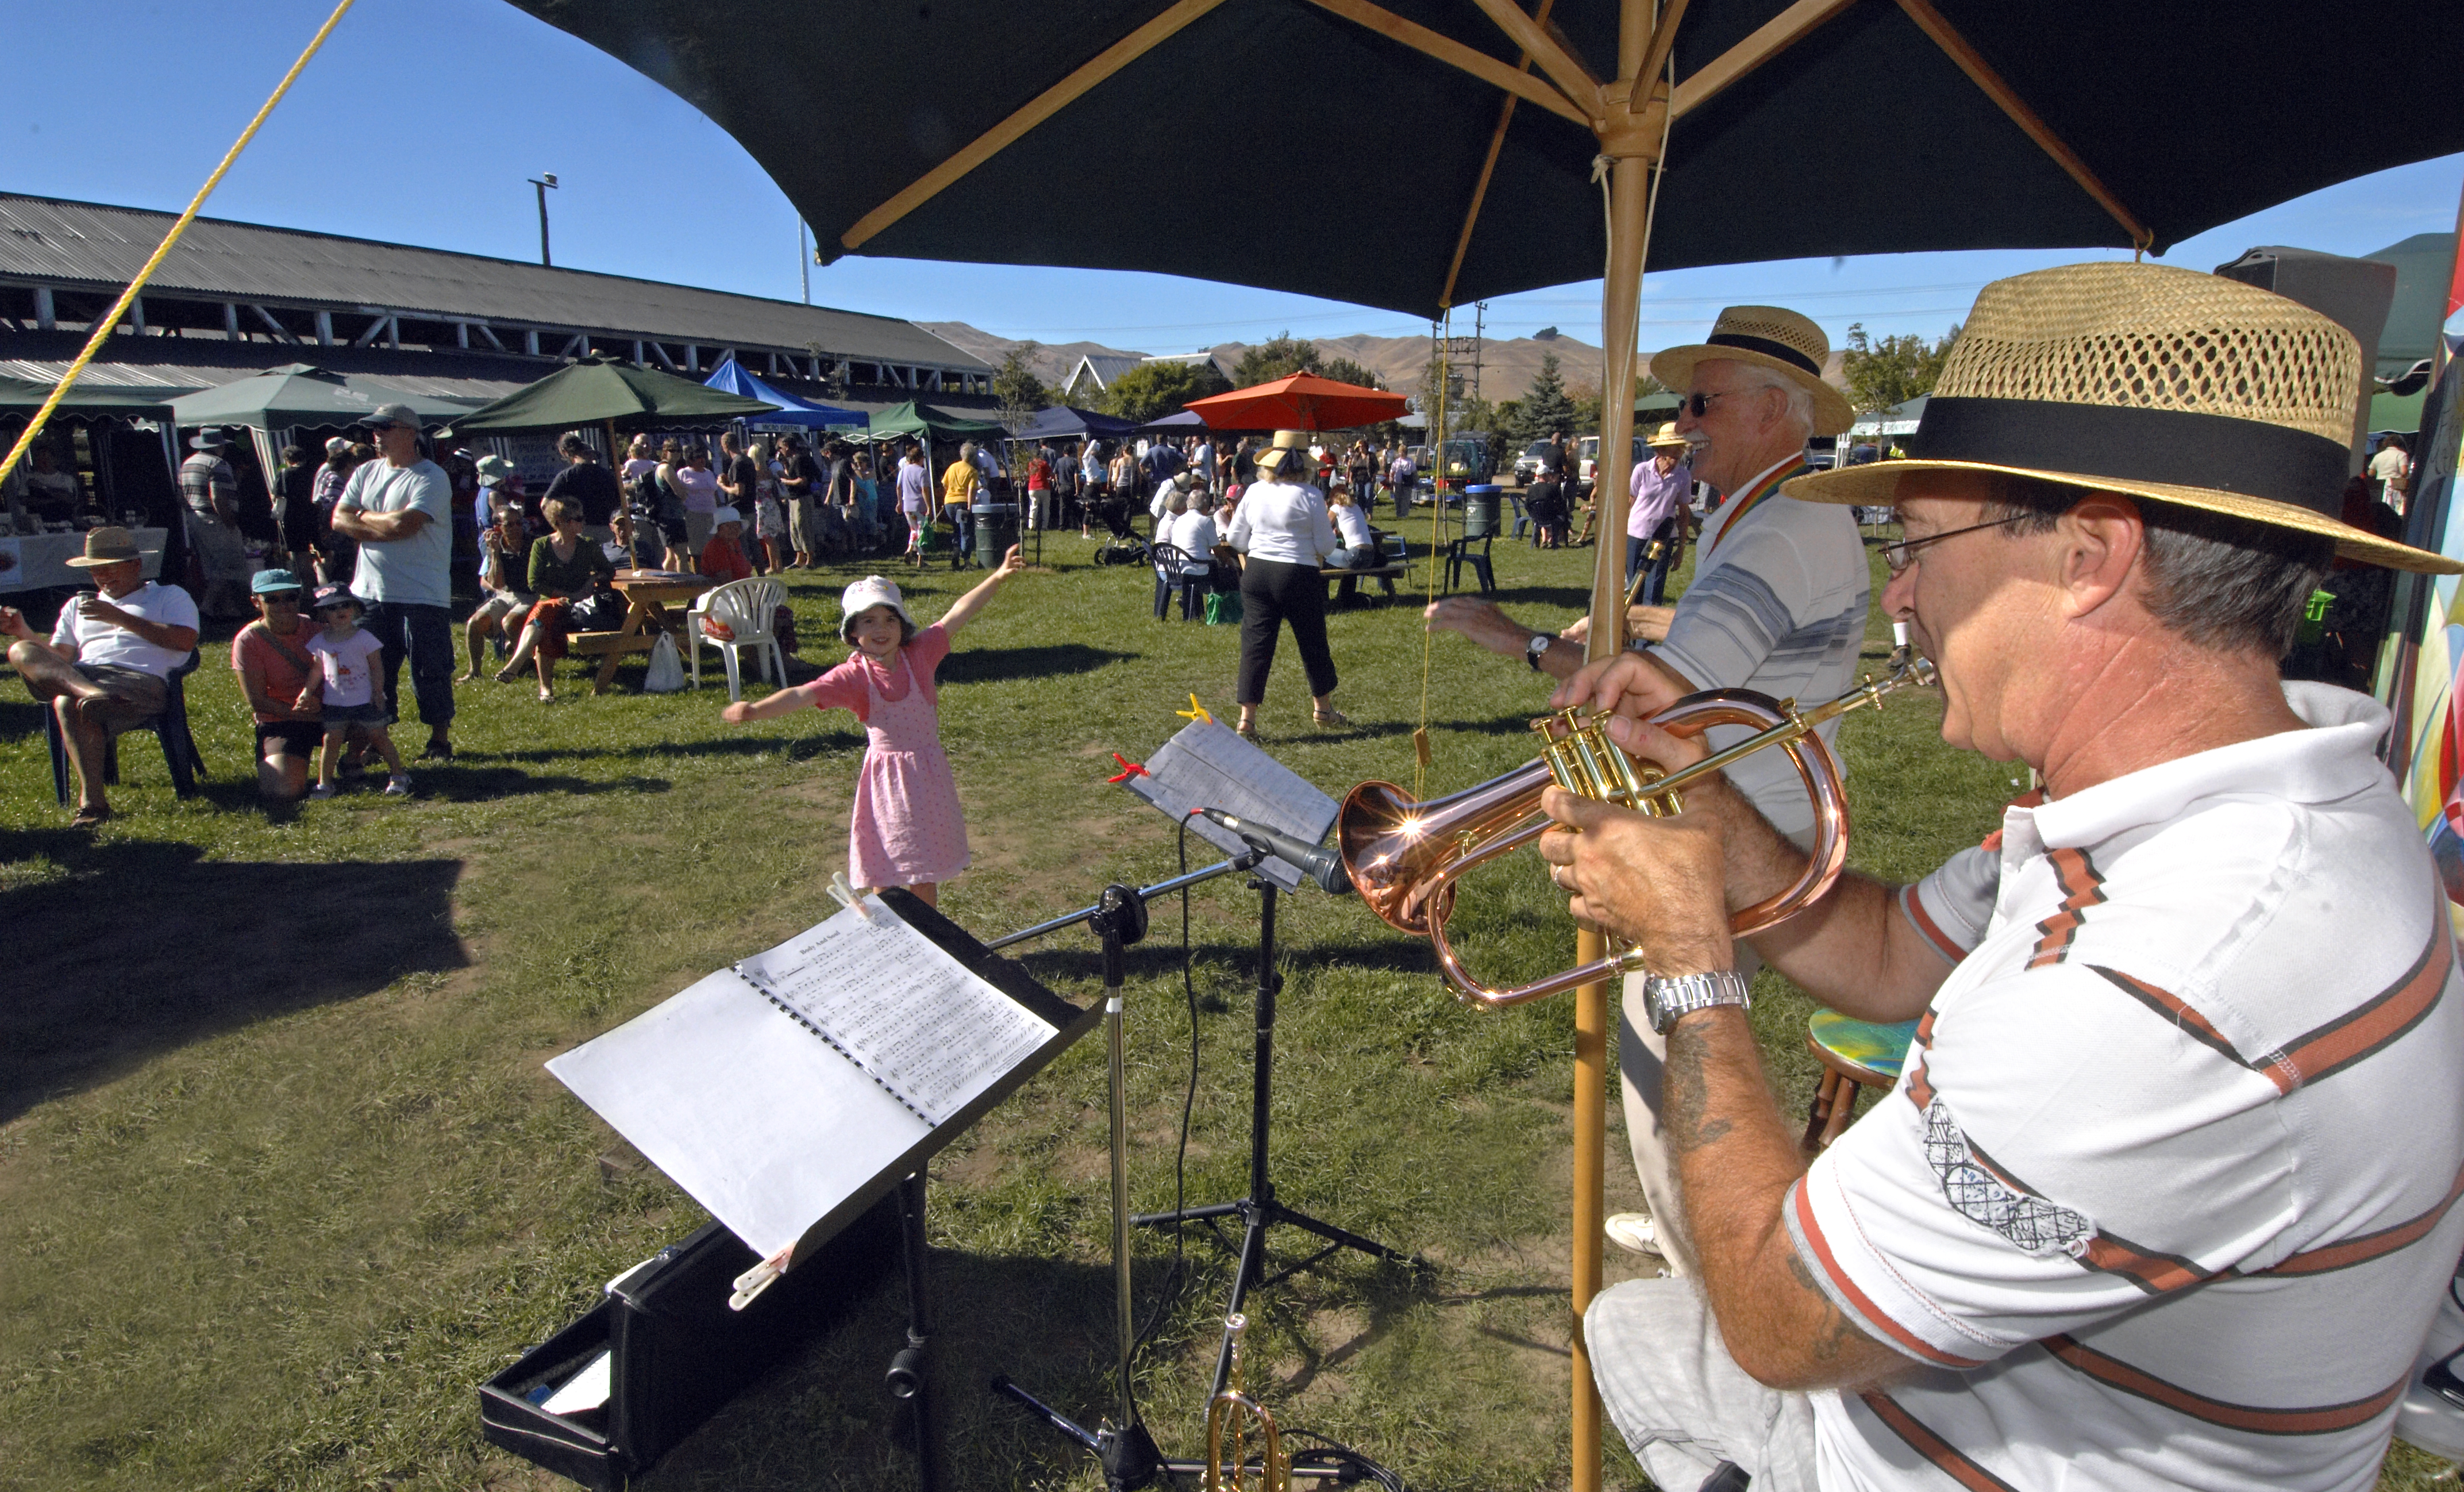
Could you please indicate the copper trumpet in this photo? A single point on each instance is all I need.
(1405, 857)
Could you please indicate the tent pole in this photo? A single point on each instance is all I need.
(1632, 140)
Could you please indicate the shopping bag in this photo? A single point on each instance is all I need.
(1222, 609)
(666, 673)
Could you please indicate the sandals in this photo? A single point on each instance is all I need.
(1329, 716)
(1246, 730)
(88, 818)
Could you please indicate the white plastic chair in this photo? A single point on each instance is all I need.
(746, 608)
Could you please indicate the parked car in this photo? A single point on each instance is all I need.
(1588, 451)
(1527, 465)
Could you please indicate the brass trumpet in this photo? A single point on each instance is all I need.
(1228, 1416)
(1405, 857)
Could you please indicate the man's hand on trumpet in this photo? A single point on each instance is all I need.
(1653, 881)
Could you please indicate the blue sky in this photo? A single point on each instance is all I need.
(421, 119)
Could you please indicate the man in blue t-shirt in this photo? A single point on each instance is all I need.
(400, 509)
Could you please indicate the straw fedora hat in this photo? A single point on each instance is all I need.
(1767, 337)
(1666, 435)
(2155, 382)
(1289, 447)
(107, 545)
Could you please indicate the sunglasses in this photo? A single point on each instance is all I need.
(270, 597)
(1700, 404)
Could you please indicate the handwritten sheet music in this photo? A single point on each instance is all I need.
(1208, 765)
(907, 1012)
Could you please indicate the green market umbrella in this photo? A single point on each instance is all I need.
(299, 394)
(26, 395)
(609, 393)
(916, 419)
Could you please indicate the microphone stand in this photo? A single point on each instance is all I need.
(1129, 1456)
(1262, 1209)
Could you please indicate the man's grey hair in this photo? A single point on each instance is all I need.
(2222, 582)
(1798, 410)
(1178, 502)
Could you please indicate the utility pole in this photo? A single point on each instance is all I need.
(1478, 325)
(803, 261)
(546, 181)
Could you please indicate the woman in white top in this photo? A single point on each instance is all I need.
(1283, 533)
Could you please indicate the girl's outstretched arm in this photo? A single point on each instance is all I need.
(778, 702)
(964, 609)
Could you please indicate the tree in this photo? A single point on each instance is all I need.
(1280, 356)
(1152, 390)
(1546, 407)
(1342, 371)
(1016, 386)
(1894, 370)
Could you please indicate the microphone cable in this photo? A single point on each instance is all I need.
(1170, 1295)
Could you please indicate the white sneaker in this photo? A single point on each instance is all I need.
(1632, 1232)
(397, 785)
(321, 790)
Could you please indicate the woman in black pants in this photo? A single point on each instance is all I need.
(1284, 535)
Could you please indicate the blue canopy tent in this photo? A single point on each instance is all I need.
(1062, 420)
(733, 376)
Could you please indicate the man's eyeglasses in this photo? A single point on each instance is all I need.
(1698, 405)
(1898, 557)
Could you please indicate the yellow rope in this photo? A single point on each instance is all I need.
(103, 329)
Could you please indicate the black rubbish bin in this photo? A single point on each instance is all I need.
(996, 531)
(1480, 510)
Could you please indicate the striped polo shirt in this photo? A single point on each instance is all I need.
(1777, 605)
(2164, 1197)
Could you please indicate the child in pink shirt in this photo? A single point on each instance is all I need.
(907, 829)
(342, 691)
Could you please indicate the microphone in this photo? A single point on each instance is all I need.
(1315, 861)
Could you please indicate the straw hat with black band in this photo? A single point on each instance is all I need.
(1291, 448)
(1764, 337)
(2154, 383)
(1666, 438)
(107, 545)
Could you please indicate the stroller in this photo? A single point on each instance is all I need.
(1123, 546)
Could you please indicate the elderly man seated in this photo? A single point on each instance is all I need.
(2164, 1197)
(109, 661)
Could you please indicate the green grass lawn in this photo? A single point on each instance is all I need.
(282, 1180)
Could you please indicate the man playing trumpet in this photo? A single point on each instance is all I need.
(2158, 1201)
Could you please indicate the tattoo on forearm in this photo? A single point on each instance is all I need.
(1684, 1095)
(1837, 1333)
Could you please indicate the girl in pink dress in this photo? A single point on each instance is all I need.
(907, 829)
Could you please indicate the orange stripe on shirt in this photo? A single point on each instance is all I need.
(2320, 1419)
(2361, 1249)
(1945, 1456)
(2180, 1014)
(1912, 907)
(2082, 887)
(1873, 1314)
(2355, 1035)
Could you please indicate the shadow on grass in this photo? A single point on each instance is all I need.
(138, 948)
(997, 665)
(802, 748)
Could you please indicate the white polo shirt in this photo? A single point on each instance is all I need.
(106, 643)
(2164, 1197)
(1777, 605)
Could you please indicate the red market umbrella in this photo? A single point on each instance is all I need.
(1301, 402)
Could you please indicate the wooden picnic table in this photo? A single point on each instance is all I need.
(648, 594)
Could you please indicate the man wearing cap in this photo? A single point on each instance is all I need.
(109, 661)
(400, 511)
(1778, 605)
(1661, 483)
(211, 489)
(2164, 1194)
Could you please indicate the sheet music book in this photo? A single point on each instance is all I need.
(787, 1091)
(1209, 766)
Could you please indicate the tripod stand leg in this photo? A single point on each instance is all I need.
(910, 1372)
(1253, 1259)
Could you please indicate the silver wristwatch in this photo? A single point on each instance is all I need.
(1666, 999)
(1535, 649)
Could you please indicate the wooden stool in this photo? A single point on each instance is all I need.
(1855, 1055)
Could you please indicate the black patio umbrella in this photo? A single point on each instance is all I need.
(1480, 141)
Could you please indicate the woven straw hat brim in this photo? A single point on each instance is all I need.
(1877, 485)
(1674, 367)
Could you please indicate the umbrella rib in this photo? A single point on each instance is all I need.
(1454, 54)
(1052, 101)
(1981, 73)
(1563, 69)
(1488, 168)
(1766, 43)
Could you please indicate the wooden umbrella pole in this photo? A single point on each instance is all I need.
(1632, 140)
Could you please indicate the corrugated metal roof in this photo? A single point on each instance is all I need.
(51, 241)
(188, 377)
(1101, 368)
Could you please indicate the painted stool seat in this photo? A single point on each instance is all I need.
(1855, 1055)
